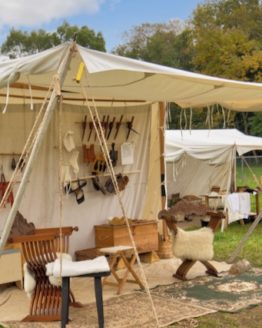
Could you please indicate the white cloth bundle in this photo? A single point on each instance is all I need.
(71, 269)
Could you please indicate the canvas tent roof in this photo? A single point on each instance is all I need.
(208, 144)
(199, 159)
(112, 77)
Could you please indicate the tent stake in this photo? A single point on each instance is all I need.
(38, 141)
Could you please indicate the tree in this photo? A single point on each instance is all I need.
(167, 44)
(228, 39)
(228, 43)
(20, 43)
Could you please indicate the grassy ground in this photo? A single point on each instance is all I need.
(224, 244)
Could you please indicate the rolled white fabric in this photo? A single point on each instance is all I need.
(71, 269)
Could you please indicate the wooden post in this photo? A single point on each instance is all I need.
(162, 163)
(35, 149)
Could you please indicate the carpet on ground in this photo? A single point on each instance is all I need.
(127, 311)
(227, 293)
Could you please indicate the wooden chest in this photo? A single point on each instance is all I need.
(145, 234)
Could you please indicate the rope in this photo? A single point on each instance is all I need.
(26, 151)
(60, 183)
(252, 172)
(105, 151)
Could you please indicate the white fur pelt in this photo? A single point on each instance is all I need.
(29, 279)
(193, 245)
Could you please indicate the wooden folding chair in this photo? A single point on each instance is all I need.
(38, 250)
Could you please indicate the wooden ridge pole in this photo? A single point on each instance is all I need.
(60, 76)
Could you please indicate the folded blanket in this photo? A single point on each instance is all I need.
(71, 269)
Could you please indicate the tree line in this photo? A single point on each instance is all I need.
(222, 38)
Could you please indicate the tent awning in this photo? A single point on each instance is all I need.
(110, 78)
(209, 145)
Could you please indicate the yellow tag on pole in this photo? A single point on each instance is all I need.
(80, 72)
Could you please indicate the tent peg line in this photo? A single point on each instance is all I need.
(103, 144)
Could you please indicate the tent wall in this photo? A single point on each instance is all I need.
(41, 199)
(153, 187)
(191, 176)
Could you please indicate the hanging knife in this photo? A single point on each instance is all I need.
(129, 125)
(118, 125)
(110, 127)
(84, 127)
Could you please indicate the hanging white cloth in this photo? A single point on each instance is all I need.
(237, 206)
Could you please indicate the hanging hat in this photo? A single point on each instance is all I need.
(68, 141)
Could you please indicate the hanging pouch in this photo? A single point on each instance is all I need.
(3, 187)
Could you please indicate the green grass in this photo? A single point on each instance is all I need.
(226, 242)
(245, 177)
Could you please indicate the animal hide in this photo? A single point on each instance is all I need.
(29, 281)
(193, 245)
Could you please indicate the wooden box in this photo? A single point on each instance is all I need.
(86, 254)
(11, 266)
(145, 234)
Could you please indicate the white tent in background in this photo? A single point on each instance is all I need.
(121, 85)
(199, 159)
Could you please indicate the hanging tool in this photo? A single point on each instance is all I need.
(91, 129)
(106, 125)
(84, 123)
(118, 126)
(102, 124)
(110, 127)
(129, 125)
(113, 154)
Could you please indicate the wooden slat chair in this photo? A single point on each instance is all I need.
(186, 265)
(39, 249)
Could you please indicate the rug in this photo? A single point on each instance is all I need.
(226, 293)
(127, 311)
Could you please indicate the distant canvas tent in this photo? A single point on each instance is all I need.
(126, 86)
(199, 159)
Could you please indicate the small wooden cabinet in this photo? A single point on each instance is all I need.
(145, 234)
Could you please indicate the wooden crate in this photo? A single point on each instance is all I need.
(11, 267)
(145, 234)
(86, 254)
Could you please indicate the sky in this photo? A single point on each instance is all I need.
(111, 17)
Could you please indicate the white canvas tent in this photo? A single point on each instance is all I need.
(199, 159)
(120, 84)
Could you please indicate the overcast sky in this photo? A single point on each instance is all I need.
(111, 17)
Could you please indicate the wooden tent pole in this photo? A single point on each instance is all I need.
(61, 73)
(162, 110)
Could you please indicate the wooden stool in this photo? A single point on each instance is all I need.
(98, 293)
(96, 268)
(127, 255)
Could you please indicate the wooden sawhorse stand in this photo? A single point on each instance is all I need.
(127, 255)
